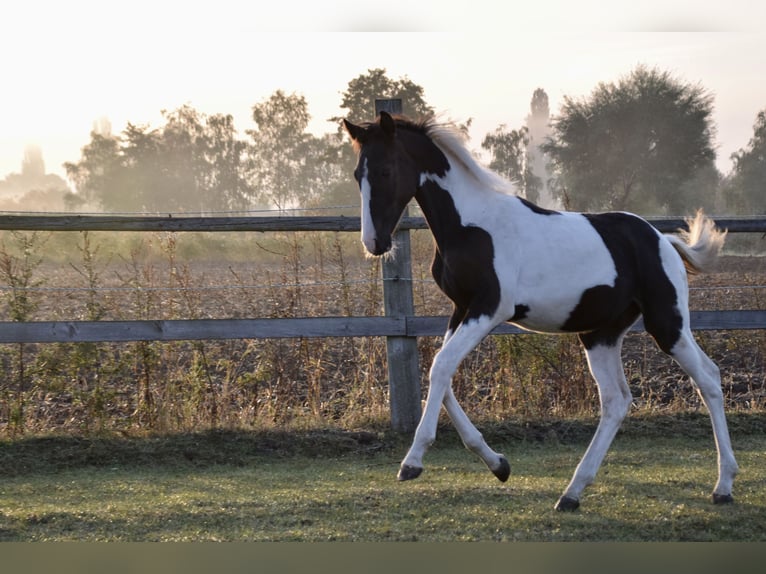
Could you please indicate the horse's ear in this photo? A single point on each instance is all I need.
(357, 133)
(387, 124)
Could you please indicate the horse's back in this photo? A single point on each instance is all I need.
(589, 271)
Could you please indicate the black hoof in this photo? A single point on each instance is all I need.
(567, 504)
(723, 498)
(407, 472)
(503, 471)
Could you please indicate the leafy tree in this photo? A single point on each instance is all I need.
(632, 144)
(225, 182)
(747, 186)
(99, 169)
(358, 101)
(181, 175)
(359, 98)
(279, 149)
(516, 154)
(325, 173)
(204, 162)
(192, 163)
(508, 153)
(139, 184)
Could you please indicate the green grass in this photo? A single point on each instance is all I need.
(326, 486)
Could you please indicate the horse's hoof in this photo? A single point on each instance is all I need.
(567, 504)
(722, 498)
(407, 472)
(503, 471)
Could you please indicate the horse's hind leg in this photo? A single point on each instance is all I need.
(707, 379)
(473, 439)
(605, 362)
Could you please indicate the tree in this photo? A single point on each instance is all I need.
(226, 186)
(538, 130)
(203, 162)
(32, 183)
(33, 166)
(359, 102)
(279, 148)
(99, 169)
(747, 186)
(139, 185)
(632, 144)
(508, 157)
(516, 154)
(180, 169)
(359, 98)
(191, 163)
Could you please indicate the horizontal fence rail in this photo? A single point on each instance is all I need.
(182, 223)
(306, 327)
(200, 329)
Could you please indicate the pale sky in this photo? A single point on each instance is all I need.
(64, 65)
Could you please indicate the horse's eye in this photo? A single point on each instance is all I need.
(385, 172)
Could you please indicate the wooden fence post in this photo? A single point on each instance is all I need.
(401, 352)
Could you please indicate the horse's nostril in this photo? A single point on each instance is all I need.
(382, 246)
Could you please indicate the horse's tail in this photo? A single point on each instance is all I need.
(700, 245)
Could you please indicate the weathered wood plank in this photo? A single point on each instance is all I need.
(180, 330)
(265, 224)
(723, 320)
(700, 321)
(175, 223)
(311, 327)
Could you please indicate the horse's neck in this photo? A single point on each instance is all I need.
(453, 201)
(454, 192)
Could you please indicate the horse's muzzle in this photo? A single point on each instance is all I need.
(377, 246)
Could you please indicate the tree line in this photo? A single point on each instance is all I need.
(643, 143)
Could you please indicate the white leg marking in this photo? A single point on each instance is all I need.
(707, 378)
(445, 363)
(469, 434)
(606, 367)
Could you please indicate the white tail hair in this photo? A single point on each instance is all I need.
(700, 245)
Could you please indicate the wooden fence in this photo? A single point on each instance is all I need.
(400, 326)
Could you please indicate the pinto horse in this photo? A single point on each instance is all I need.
(501, 258)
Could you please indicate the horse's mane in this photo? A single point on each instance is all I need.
(452, 141)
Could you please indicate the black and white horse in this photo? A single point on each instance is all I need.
(500, 258)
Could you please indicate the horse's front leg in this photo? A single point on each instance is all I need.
(453, 351)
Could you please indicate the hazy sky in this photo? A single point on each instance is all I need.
(63, 65)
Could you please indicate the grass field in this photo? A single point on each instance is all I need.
(331, 485)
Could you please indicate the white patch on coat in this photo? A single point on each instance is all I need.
(564, 257)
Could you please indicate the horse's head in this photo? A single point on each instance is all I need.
(387, 177)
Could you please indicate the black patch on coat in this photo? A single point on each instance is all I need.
(642, 287)
(463, 264)
(537, 209)
(425, 154)
(520, 312)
